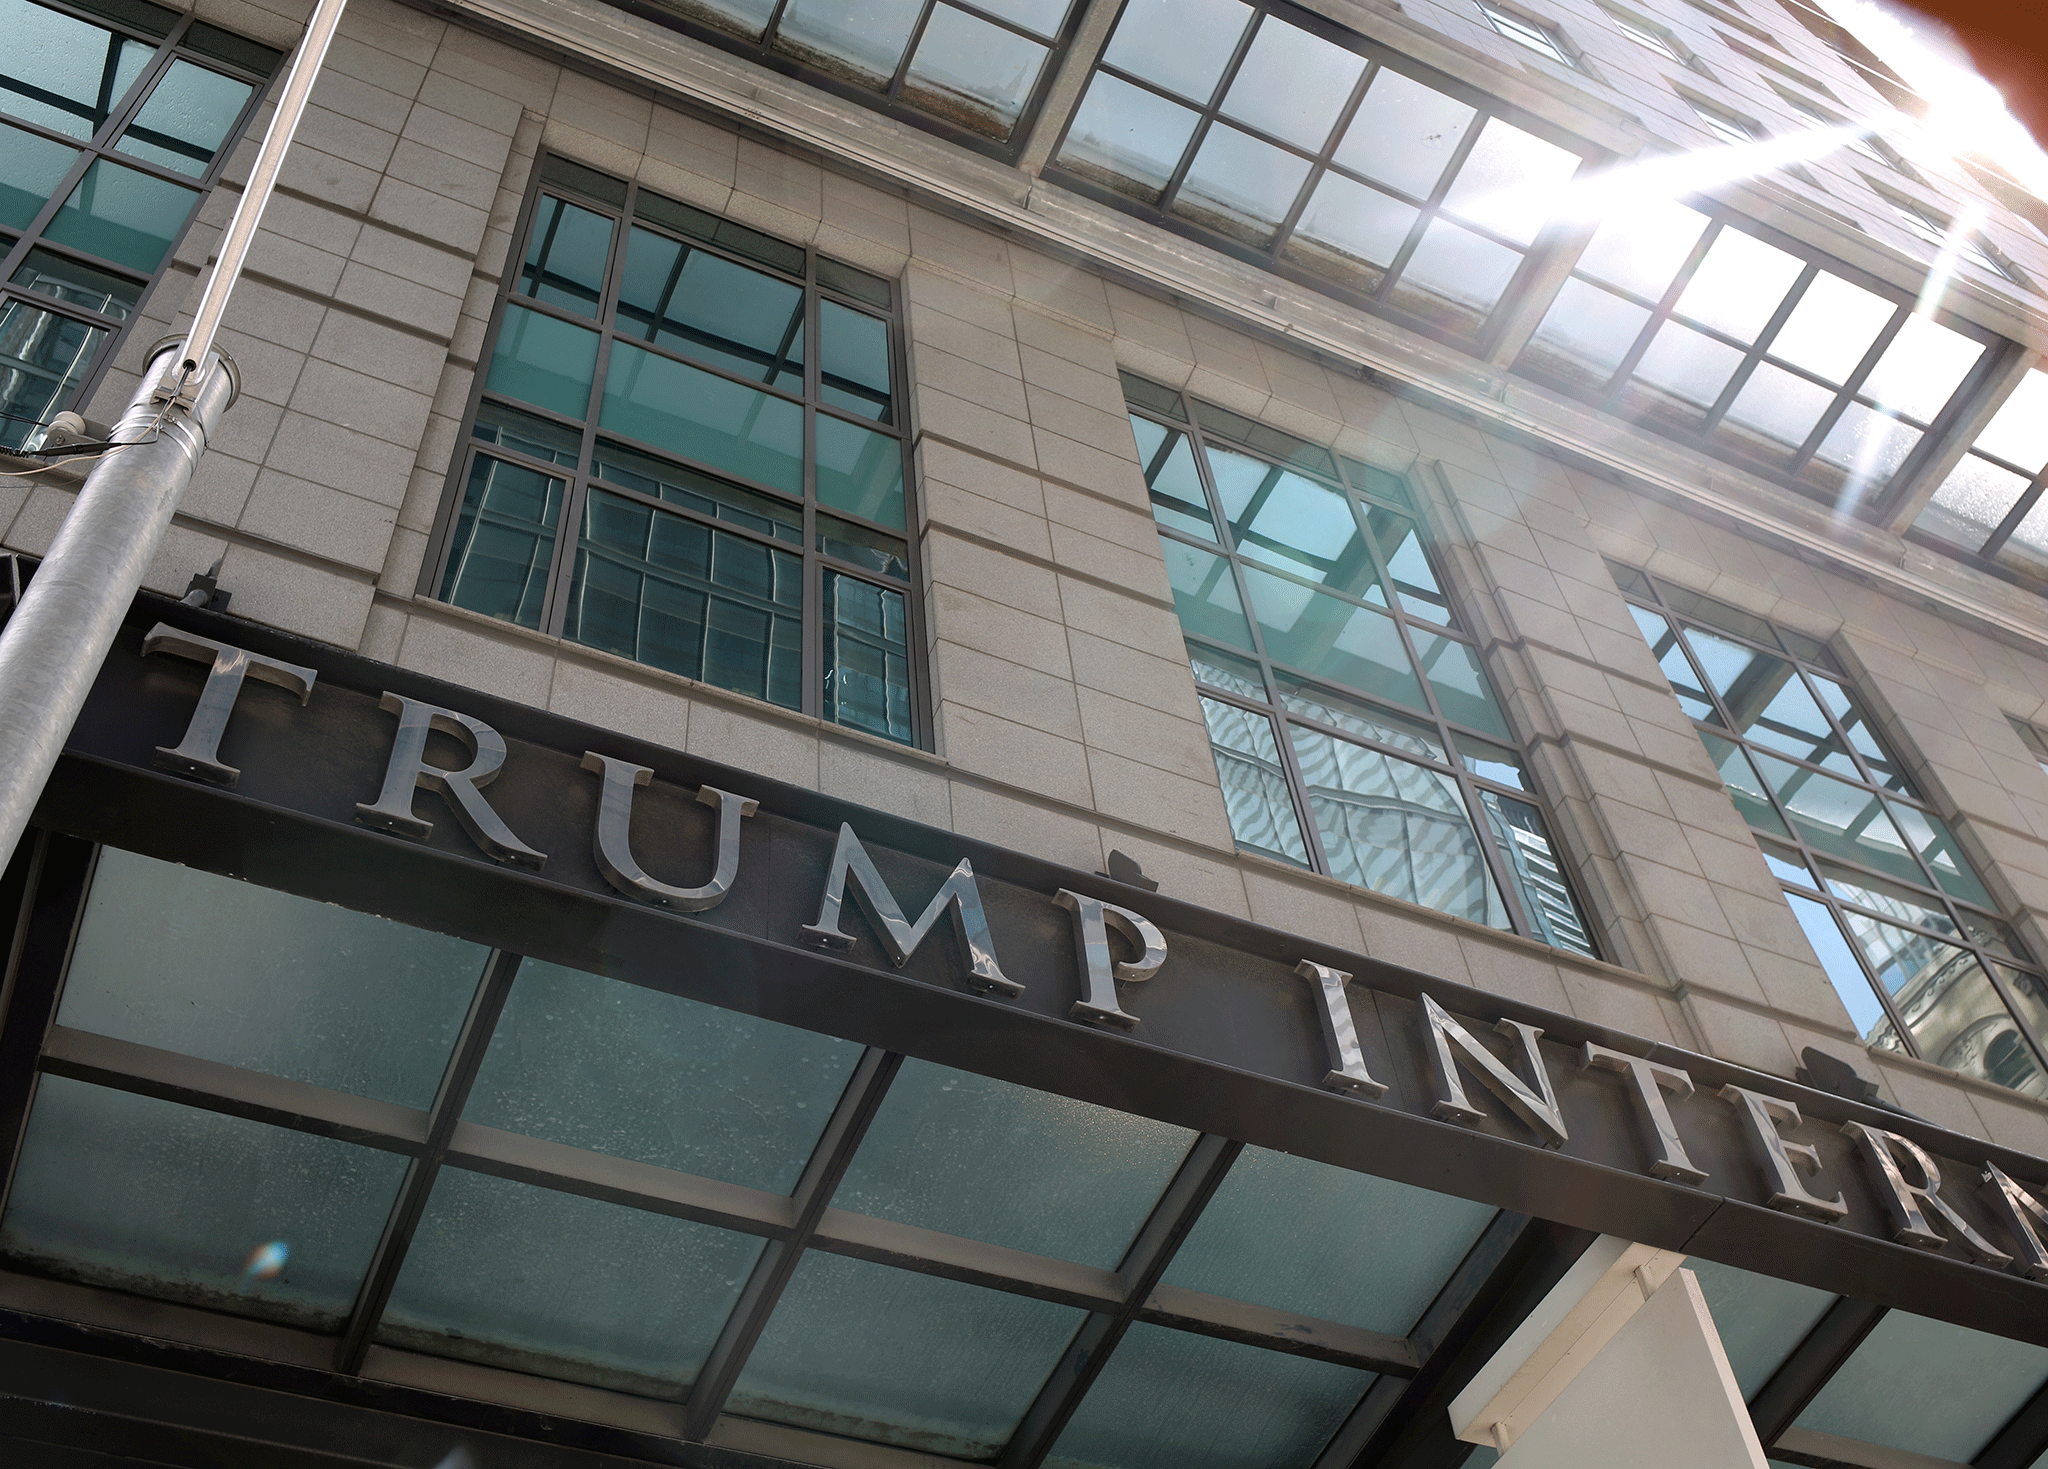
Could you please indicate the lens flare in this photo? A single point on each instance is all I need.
(265, 1262)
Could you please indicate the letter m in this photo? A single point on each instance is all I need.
(900, 937)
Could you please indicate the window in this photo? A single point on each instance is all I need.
(1772, 63)
(2033, 739)
(1894, 909)
(1354, 730)
(687, 449)
(972, 72)
(1523, 31)
(1723, 124)
(1712, 335)
(1934, 230)
(1647, 34)
(1862, 139)
(1305, 149)
(1987, 504)
(115, 119)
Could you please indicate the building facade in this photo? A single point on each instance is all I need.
(1108, 733)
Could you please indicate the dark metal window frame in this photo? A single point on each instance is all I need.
(1360, 498)
(1271, 256)
(1609, 396)
(581, 477)
(1650, 593)
(49, 886)
(889, 99)
(14, 251)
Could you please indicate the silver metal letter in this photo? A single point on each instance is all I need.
(408, 770)
(1775, 1157)
(1902, 1200)
(2014, 1204)
(613, 842)
(1093, 922)
(1660, 1133)
(900, 937)
(1537, 1108)
(198, 754)
(1347, 1071)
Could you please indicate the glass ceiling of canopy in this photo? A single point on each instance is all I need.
(1987, 504)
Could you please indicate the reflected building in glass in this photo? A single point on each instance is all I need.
(1105, 734)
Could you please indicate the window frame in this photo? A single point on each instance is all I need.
(1809, 657)
(168, 48)
(581, 477)
(1408, 504)
(1526, 30)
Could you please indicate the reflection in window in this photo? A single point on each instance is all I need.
(1334, 740)
(1986, 504)
(1309, 149)
(672, 403)
(1894, 909)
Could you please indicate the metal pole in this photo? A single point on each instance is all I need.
(55, 641)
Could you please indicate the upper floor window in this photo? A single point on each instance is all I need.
(1289, 141)
(1895, 911)
(1524, 31)
(115, 119)
(1724, 124)
(1988, 503)
(2034, 740)
(1646, 33)
(1354, 729)
(1941, 233)
(687, 449)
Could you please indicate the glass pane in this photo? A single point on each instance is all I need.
(1664, 645)
(859, 471)
(1862, 732)
(172, 957)
(1590, 329)
(2028, 545)
(1404, 133)
(43, 359)
(1972, 502)
(746, 18)
(123, 215)
(1928, 1387)
(1292, 85)
(853, 370)
(186, 118)
(2018, 432)
(1183, 45)
(1126, 138)
(707, 495)
(1933, 841)
(1368, 722)
(1769, 703)
(1839, 961)
(1680, 375)
(1302, 527)
(973, 73)
(1840, 820)
(679, 595)
(1349, 232)
(1785, 864)
(1454, 277)
(734, 317)
(538, 1281)
(972, 1156)
(861, 40)
(544, 361)
(1330, 639)
(1221, 670)
(1040, 17)
(31, 167)
(883, 555)
(2028, 993)
(504, 541)
(1739, 284)
(1921, 369)
(1759, 1319)
(1396, 827)
(1255, 795)
(1510, 181)
(1536, 871)
(1462, 692)
(1239, 186)
(1774, 412)
(600, 1064)
(1831, 328)
(1862, 451)
(1492, 762)
(146, 1196)
(1204, 595)
(66, 74)
(718, 422)
(49, 274)
(1894, 902)
(1169, 461)
(1408, 564)
(567, 256)
(1641, 248)
(1745, 787)
(912, 1360)
(867, 657)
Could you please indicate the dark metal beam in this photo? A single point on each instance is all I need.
(389, 1257)
(829, 1160)
(52, 872)
(1407, 1425)
(1143, 1264)
(1837, 1334)
(2022, 1441)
